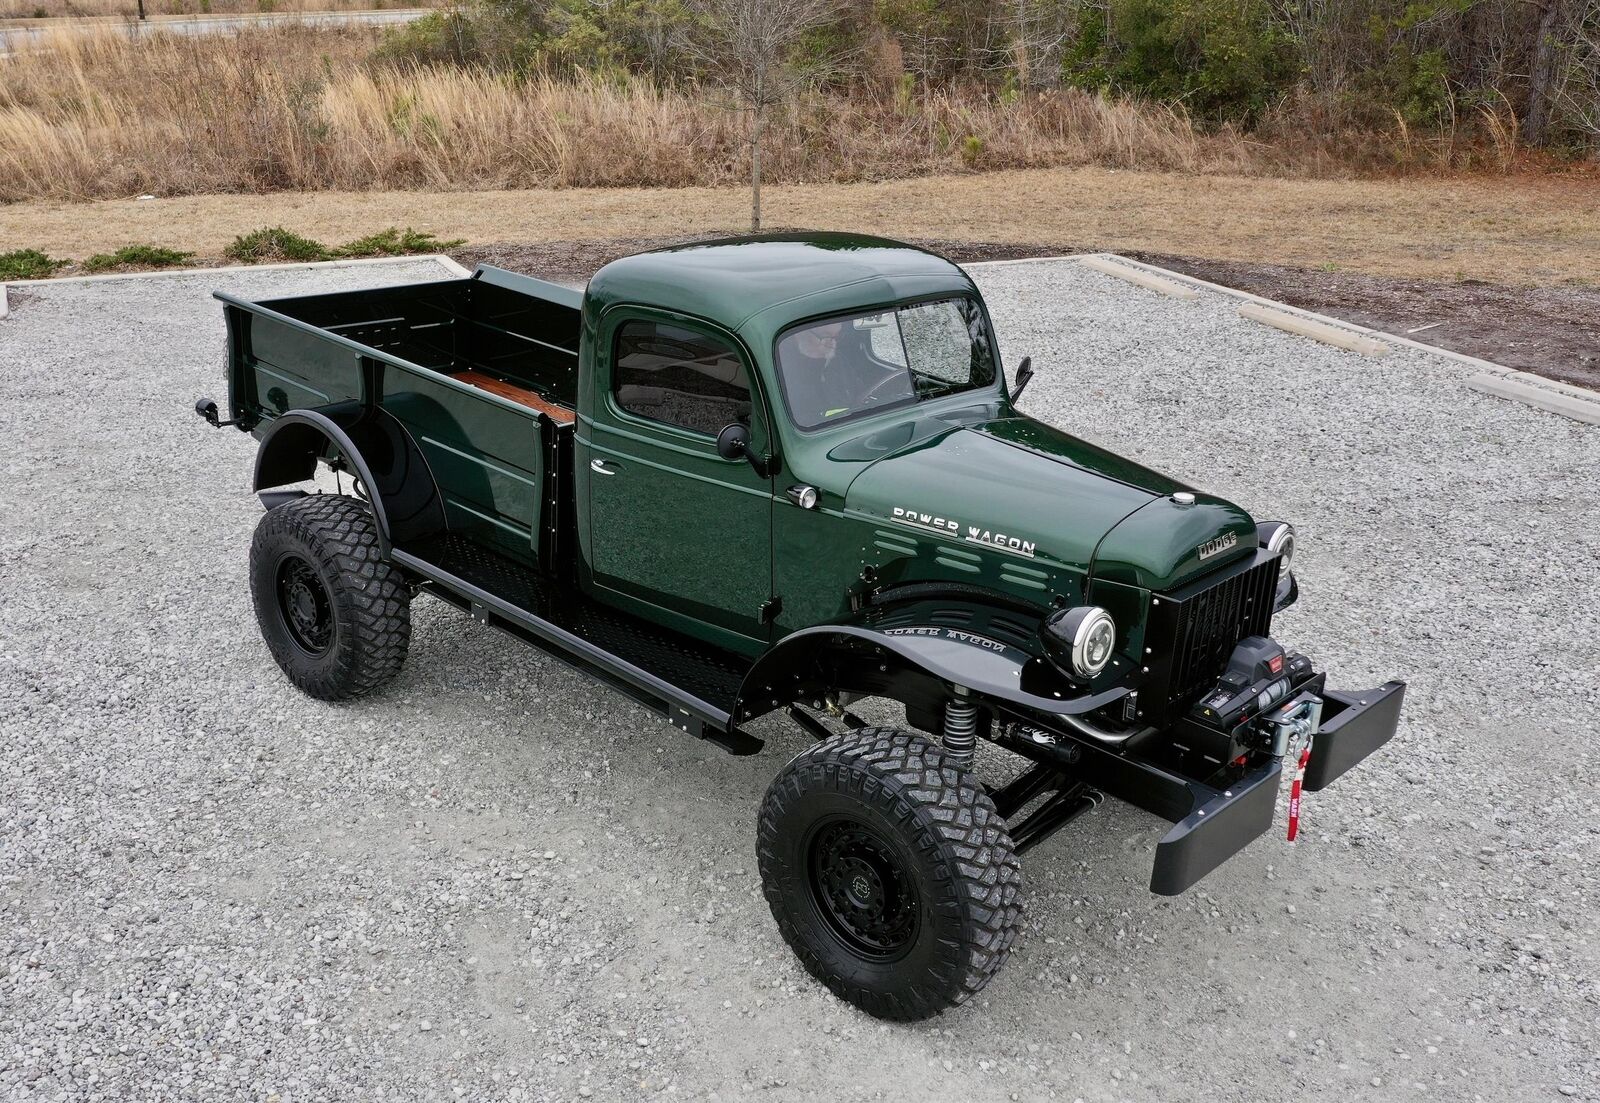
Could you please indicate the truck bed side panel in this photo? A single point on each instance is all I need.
(485, 456)
(286, 368)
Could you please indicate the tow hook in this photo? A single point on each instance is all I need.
(1294, 725)
(207, 408)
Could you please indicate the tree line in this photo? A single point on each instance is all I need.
(1523, 70)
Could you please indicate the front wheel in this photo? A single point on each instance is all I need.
(889, 872)
(335, 615)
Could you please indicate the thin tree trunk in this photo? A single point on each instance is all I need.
(755, 178)
(757, 122)
(1541, 73)
(1022, 44)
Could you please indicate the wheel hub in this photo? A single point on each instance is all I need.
(305, 605)
(862, 889)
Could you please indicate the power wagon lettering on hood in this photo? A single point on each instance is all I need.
(949, 526)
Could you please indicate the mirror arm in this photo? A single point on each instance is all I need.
(1024, 376)
(765, 467)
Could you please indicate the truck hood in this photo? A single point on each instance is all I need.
(1027, 489)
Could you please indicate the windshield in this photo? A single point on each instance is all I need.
(843, 367)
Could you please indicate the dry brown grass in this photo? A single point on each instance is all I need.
(97, 115)
(1516, 230)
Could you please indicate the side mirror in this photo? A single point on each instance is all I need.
(1024, 374)
(733, 442)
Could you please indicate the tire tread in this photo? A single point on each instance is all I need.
(341, 534)
(945, 813)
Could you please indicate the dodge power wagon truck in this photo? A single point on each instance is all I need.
(783, 474)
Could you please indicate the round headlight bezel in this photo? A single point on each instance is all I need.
(1278, 537)
(1081, 640)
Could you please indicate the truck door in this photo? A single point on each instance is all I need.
(673, 528)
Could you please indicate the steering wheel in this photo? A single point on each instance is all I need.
(898, 375)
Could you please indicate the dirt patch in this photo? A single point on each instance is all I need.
(1551, 331)
(1518, 231)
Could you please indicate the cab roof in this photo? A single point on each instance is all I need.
(732, 280)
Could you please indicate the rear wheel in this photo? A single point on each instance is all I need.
(889, 872)
(335, 615)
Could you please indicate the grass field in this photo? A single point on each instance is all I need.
(1507, 230)
(96, 116)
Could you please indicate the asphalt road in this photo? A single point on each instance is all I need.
(14, 38)
(496, 880)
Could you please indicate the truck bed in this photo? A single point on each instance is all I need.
(482, 371)
(496, 326)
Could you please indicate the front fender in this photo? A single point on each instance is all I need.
(914, 653)
(405, 498)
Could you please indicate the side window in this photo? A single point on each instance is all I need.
(680, 377)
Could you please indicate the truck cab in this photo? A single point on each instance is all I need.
(785, 474)
(819, 354)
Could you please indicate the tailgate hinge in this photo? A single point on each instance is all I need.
(770, 609)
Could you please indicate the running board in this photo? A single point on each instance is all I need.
(683, 709)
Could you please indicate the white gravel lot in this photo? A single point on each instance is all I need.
(497, 881)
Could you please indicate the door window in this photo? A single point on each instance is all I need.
(679, 376)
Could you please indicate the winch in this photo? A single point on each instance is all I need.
(1244, 712)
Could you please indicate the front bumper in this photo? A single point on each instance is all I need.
(1223, 822)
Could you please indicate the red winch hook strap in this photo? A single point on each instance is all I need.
(1294, 790)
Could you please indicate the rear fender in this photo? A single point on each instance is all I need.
(915, 654)
(405, 498)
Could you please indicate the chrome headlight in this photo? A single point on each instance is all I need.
(1080, 640)
(1277, 537)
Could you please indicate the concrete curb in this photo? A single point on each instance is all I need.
(449, 265)
(1137, 276)
(1544, 394)
(1337, 336)
(1490, 378)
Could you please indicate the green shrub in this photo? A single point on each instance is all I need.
(136, 256)
(439, 38)
(274, 243)
(395, 242)
(971, 150)
(28, 264)
(1223, 59)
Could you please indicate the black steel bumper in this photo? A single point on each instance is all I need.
(1353, 726)
(1223, 822)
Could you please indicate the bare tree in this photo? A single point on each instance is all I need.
(1577, 91)
(751, 46)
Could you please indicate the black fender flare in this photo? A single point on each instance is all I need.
(914, 662)
(405, 498)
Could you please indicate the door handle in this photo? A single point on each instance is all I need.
(602, 467)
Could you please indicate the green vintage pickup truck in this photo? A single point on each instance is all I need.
(783, 474)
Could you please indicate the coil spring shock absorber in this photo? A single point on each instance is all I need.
(961, 727)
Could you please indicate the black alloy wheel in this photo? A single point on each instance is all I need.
(860, 884)
(304, 605)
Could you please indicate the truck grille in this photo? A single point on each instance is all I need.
(1194, 630)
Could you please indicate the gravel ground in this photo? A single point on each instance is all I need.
(498, 881)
